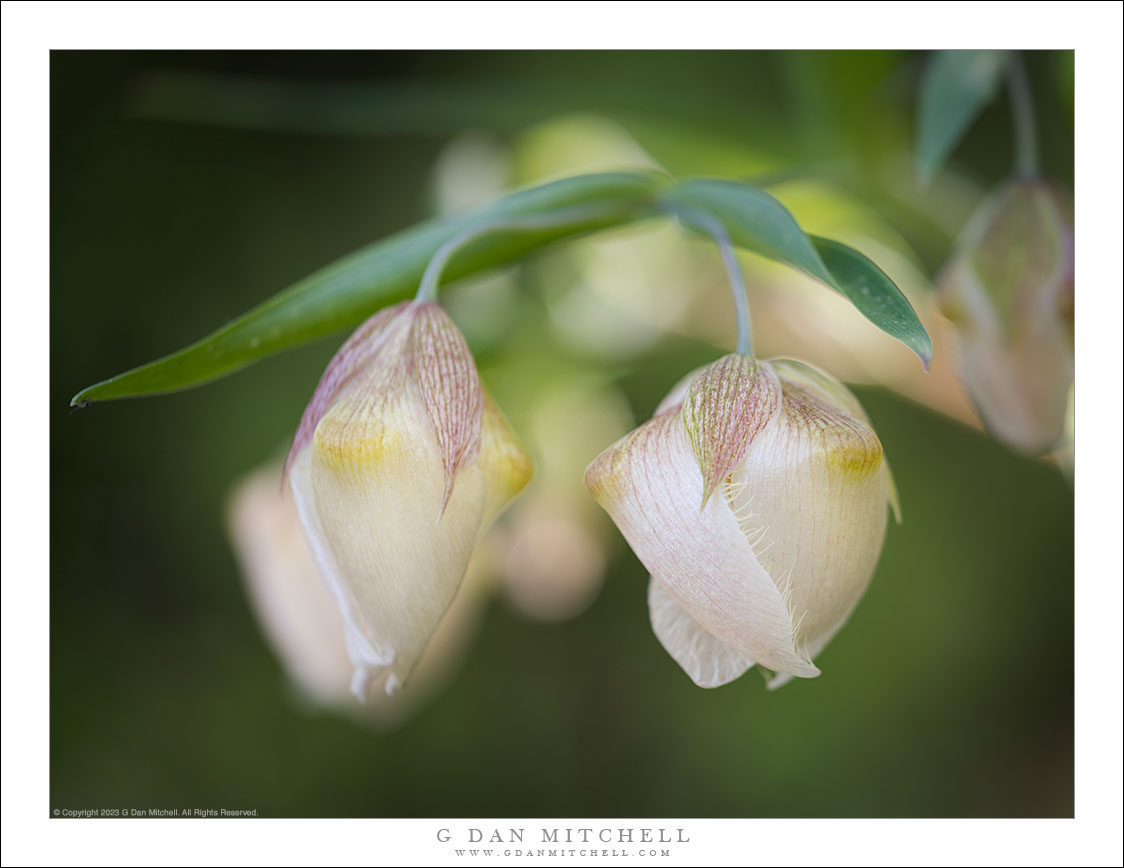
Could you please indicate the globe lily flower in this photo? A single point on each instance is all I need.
(400, 464)
(756, 497)
(1009, 295)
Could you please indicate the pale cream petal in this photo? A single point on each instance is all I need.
(811, 499)
(834, 392)
(892, 495)
(300, 619)
(293, 606)
(370, 490)
(502, 460)
(777, 681)
(649, 482)
(709, 661)
(812, 379)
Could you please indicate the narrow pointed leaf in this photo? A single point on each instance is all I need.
(752, 218)
(875, 295)
(351, 289)
(955, 88)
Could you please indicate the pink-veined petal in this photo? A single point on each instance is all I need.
(649, 482)
(811, 498)
(708, 660)
(450, 388)
(727, 404)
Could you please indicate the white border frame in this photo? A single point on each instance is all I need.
(30, 30)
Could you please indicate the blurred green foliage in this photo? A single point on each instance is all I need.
(950, 693)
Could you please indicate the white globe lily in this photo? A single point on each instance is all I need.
(1009, 295)
(400, 464)
(756, 497)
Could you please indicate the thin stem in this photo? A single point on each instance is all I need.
(431, 278)
(1022, 106)
(721, 237)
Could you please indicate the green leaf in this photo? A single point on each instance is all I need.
(756, 221)
(752, 218)
(955, 87)
(875, 295)
(351, 289)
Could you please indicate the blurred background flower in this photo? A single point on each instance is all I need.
(188, 187)
(1009, 293)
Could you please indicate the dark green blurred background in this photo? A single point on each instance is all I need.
(187, 187)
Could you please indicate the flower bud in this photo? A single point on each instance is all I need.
(400, 464)
(1009, 294)
(756, 497)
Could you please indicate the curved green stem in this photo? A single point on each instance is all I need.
(1022, 106)
(715, 229)
(431, 277)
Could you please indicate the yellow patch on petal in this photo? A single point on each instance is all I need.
(344, 439)
(828, 411)
(845, 443)
(854, 455)
(374, 421)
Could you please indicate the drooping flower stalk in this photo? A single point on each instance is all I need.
(714, 228)
(1022, 109)
(431, 278)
